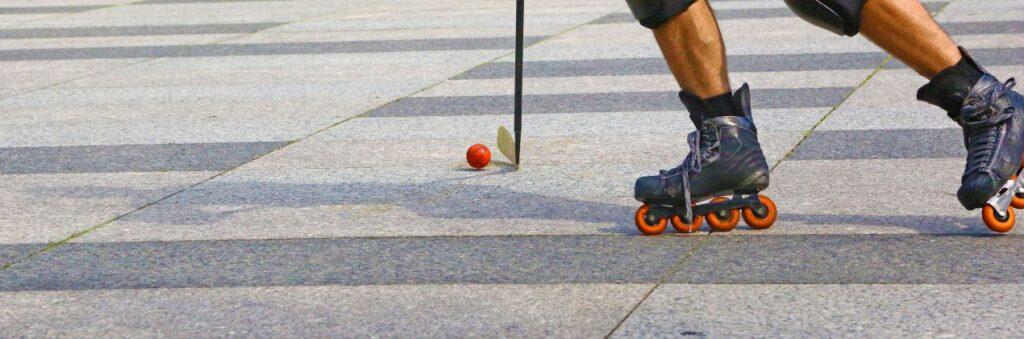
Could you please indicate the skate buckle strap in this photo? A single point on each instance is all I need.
(983, 130)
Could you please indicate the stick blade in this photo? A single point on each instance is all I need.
(507, 144)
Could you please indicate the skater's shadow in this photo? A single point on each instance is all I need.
(454, 199)
(214, 201)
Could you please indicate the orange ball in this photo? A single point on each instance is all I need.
(478, 156)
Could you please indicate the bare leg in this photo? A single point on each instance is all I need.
(906, 29)
(693, 48)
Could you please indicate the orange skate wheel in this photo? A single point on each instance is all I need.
(1018, 200)
(996, 224)
(683, 227)
(646, 228)
(723, 221)
(761, 220)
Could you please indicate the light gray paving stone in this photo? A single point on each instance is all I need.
(636, 149)
(746, 12)
(90, 42)
(49, 208)
(78, 32)
(461, 14)
(225, 108)
(160, 14)
(888, 102)
(283, 34)
(392, 69)
(918, 117)
(182, 51)
(897, 89)
(576, 310)
(351, 262)
(907, 196)
(984, 27)
(656, 65)
(644, 83)
(146, 2)
(659, 125)
(498, 21)
(743, 37)
(24, 76)
(969, 11)
(828, 311)
(737, 63)
(750, 36)
(313, 191)
(597, 102)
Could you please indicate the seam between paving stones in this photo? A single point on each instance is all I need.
(879, 68)
(68, 239)
(75, 235)
(662, 280)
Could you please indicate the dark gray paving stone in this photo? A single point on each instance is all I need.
(737, 63)
(648, 66)
(882, 144)
(790, 259)
(739, 13)
(596, 102)
(131, 158)
(293, 48)
(79, 32)
(348, 261)
(10, 253)
(856, 259)
(48, 9)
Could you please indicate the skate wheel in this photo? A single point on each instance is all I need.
(994, 222)
(723, 221)
(761, 219)
(649, 227)
(1018, 200)
(683, 227)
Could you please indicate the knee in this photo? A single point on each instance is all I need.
(838, 16)
(654, 13)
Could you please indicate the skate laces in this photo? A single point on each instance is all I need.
(983, 129)
(701, 143)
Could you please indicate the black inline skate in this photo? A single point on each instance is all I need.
(719, 179)
(992, 118)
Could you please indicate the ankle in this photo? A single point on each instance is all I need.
(950, 87)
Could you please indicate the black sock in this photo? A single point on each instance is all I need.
(949, 88)
(721, 106)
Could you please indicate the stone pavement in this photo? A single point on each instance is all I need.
(213, 168)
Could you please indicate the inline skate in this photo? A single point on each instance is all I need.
(992, 117)
(719, 179)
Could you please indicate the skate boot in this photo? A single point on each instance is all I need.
(992, 118)
(719, 179)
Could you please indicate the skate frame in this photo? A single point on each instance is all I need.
(740, 199)
(1001, 201)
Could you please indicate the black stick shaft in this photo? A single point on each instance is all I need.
(520, 12)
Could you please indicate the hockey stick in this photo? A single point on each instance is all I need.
(504, 137)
